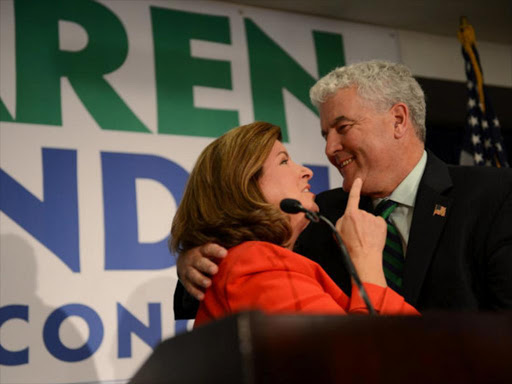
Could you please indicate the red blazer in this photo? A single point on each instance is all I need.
(264, 276)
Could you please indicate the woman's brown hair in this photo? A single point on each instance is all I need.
(222, 202)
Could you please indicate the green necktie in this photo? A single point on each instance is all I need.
(393, 255)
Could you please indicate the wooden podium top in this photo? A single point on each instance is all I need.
(255, 348)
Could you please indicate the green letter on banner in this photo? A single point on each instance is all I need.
(330, 52)
(40, 64)
(272, 69)
(177, 72)
(4, 113)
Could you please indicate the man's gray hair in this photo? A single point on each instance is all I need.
(380, 82)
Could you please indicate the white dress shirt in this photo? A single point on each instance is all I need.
(405, 196)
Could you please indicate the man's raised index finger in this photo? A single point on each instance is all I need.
(355, 194)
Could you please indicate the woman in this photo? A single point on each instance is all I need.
(232, 199)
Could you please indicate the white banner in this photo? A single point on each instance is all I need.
(104, 107)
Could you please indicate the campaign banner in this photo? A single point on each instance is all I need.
(104, 108)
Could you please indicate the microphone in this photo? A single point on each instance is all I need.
(294, 206)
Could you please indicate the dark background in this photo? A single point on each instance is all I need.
(446, 116)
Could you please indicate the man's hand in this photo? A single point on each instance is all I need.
(364, 235)
(197, 265)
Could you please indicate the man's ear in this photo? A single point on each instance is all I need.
(400, 115)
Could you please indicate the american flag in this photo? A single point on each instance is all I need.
(439, 210)
(483, 143)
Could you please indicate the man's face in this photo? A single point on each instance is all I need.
(359, 141)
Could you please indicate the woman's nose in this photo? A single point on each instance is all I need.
(307, 173)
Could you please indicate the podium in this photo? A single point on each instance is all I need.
(254, 348)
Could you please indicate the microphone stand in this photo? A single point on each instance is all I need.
(348, 263)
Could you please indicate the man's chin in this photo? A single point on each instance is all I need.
(347, 184)
(349, 180)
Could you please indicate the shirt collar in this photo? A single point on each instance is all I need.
(405, 193)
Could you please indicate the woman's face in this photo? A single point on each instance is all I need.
(282, 178)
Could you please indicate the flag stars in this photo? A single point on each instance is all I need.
(473, 121)
(484, 142)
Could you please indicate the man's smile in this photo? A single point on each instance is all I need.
(343, 163)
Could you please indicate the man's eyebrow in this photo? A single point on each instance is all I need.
(339, 119)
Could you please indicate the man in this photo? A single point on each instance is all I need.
(453, 225)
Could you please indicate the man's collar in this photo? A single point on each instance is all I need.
(405, 193)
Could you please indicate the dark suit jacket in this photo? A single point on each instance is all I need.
(460, 261)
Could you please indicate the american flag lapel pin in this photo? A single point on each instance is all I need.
(439, 210)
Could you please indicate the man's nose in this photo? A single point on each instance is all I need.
(332, 143)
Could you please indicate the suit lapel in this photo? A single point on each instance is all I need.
(431, 210)
(365, 203)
